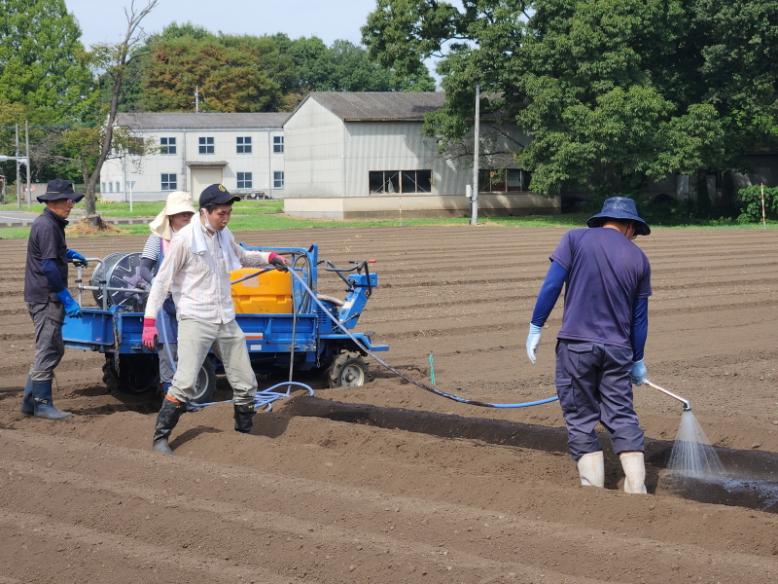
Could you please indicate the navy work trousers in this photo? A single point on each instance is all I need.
(593, 385)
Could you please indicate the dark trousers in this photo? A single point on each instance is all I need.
(47, 318)
(593, 385)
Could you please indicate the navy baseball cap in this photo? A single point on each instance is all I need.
(59, 189)
(216, 195)
(622, 209)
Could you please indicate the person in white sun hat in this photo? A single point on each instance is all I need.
(176, 215)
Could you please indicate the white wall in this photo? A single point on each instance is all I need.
(147, 171)
(314, 152)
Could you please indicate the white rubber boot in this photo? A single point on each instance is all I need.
(634, 465)
(591, 468)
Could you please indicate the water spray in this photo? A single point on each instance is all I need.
(687, 406)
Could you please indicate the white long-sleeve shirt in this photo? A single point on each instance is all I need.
(200, 283)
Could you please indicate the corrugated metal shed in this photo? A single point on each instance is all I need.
(201, 120)
(379, 106)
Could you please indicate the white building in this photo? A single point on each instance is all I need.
(365, 155)
(243, 151)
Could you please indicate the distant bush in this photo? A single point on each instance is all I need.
(750, 200)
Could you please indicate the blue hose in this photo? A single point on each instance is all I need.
(419, 384)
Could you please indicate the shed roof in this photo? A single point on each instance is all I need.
(201, 120)
(379, 106)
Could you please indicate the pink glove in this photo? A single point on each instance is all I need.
(277, 260)
(149, 338)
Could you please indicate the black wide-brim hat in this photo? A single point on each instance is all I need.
(622, 209)
(59, 189)
(216, 195)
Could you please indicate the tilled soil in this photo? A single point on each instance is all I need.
(348, 498)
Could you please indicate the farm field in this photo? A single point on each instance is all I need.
(388, 483)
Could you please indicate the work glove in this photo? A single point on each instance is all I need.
(76, 258)
(72, 308)
(150, 333)
(278, 261)
(533, 340)
(638, 373)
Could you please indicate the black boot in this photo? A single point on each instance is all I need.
(43, 404)
(244, 418)
(167, 419)
(28, 403)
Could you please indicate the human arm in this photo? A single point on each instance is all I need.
(547, 297)
(57, 286)
(251, 258)
(149, 257)
(638, 336)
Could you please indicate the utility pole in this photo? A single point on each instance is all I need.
(16, 154)
(476, 143)
(27, 153)
(197, 98)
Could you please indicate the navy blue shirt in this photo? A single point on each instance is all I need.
(46, 242)
(606, 274)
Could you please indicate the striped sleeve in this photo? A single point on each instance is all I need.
(151, 249)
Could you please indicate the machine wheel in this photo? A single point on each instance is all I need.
(136, 373)
(348, 369)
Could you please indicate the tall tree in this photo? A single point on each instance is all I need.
(43, 64)
(613, 92)
(114, 60)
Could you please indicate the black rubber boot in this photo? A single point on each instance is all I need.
(167, 419)
(43, 405)
(28, 404)
(244, 418)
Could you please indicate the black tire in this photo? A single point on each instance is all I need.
(135, 374)
(348, 369)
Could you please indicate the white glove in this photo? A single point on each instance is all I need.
(533, 340)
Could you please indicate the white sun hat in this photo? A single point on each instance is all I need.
(177, 202)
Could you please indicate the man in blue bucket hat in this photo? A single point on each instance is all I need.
(600, 346)
(47, 296)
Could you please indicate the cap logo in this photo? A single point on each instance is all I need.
(222, 189)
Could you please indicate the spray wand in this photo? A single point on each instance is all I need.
(687, 406)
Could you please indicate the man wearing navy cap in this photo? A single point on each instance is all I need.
(197, 270)
(600, 346)
(47, 296)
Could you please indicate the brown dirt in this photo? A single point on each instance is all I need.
(311, 499)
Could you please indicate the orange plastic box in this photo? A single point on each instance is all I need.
(268, 293)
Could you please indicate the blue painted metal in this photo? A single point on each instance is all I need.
(268, 336)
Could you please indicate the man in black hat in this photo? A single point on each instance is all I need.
(47, 296)
(196, 269)
(601, 343)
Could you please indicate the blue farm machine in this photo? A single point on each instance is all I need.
(285, 328)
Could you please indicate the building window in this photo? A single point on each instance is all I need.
(102, 187)
(502, 180)
(167, 145)
(395, 181)
(278, 179)
(416, 181)
(245, 180)
(110, 186)
(205, 144)
(278, 144)
(168, 182)
(243, 144)
(384, 181)
(118, 188)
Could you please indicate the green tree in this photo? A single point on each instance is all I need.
(613, 93)
(43, 64)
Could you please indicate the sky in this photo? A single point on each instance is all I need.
(103, 21)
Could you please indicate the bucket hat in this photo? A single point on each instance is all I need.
(216, 195)
(620, 208)
(58, 189)
(177, 202)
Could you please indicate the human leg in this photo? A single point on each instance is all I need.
(231, 344)
(619, 417)
(47, 320)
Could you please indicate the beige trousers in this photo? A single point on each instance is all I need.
(195, 339)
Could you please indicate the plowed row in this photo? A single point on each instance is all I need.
(306, 499)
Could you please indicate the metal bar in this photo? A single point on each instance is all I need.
(687, 406)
